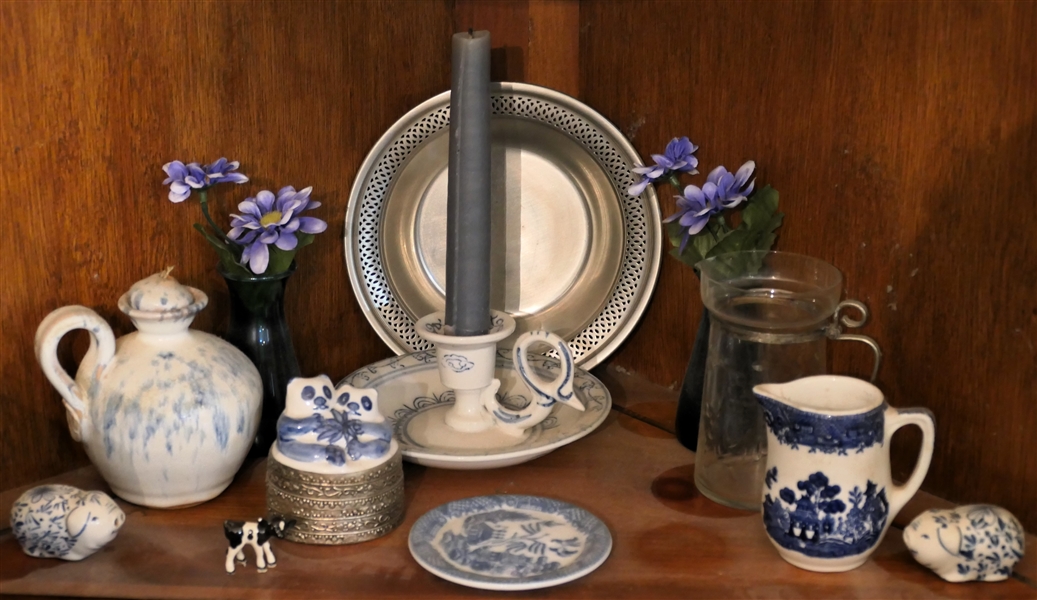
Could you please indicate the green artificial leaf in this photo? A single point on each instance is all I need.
(760, 208)
(759, 220)
(673, 231)
(735, 241)
(756, 232)
(280, 260)
(691, 255)
(765, 241)
(704, 241)
(230, 257)
(305, 239)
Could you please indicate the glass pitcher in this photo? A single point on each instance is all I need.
(771, 314)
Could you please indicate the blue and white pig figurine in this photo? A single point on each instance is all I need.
(60, 521)
(978, 542)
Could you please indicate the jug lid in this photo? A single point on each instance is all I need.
(161, 296)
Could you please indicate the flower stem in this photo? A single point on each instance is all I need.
(676, 183)
(717, 224)
(709, 228)
(204, 200)
(723, 223)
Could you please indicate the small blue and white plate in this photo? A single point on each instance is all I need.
(509, 542)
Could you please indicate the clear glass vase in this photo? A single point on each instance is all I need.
(771, 314)
(258, 328)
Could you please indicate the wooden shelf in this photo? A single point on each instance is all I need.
(669, 541)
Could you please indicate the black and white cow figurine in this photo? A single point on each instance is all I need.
(256, 534)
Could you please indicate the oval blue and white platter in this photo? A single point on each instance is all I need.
(414, 400)
(509, 542)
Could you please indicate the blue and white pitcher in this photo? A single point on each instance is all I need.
(828, 496)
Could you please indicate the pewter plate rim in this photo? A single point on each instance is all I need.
(642, 244)
(542, 440)
(426, 528)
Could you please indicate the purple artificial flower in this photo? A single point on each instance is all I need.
(694, 209)
(183, 178)
(223, 171)
(267, 219)
(678, 157)
(733, 189)
(179, 174)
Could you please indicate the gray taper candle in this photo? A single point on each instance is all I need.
(468, 187)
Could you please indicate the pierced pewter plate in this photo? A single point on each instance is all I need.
(509, 542)
(572, 253)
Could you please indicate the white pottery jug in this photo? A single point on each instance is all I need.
(166, 414)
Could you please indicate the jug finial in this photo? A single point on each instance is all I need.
(161, 304)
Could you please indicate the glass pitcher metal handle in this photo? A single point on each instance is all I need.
(834, 331)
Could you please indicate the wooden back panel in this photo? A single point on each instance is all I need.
(902, 138)
(900, 135)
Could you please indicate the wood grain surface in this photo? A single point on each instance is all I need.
(902, 137)
(97, 96)
(668, 541)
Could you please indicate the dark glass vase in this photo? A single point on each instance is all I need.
(259, 329)
(689, 405)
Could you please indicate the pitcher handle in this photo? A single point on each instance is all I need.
(101, 351)
(923, 418)
(835, 331)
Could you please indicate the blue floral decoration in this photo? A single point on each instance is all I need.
(822, 433)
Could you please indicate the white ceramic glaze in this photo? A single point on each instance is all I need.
(978, 542)
(258, 534)
(61, 521)
(414, 399)
(828, 496)
(509, 542)
(332, 430)
(466, 366)
(166, 414)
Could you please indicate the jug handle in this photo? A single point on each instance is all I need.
(101, 351)
(834, 331)
(923, 418)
